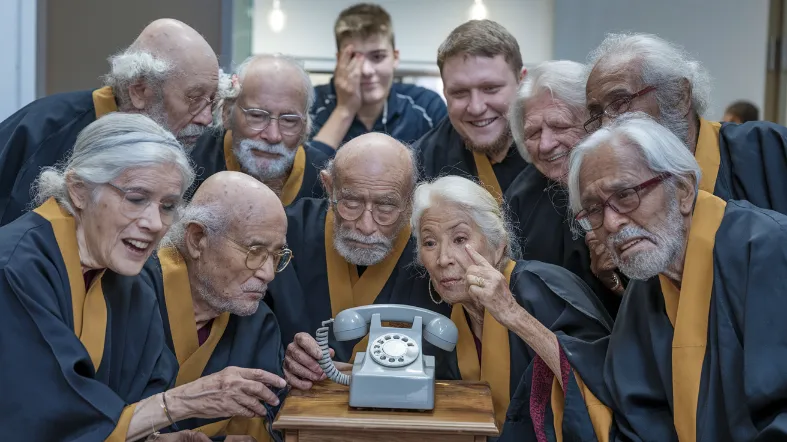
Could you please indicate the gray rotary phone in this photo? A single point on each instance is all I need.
(393, 372)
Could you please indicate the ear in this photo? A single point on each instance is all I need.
(686, 195)
(226, 113)
(196, 240)
(140, 93)
(77, 191)
(498, 254)
(522, 74)
(327, 183)
(396, 58)
(684, 102)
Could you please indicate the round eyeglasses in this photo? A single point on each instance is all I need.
(623, 201)
(614, 109)
(383, 214)
(259, 120)
(136, 201)
(257, 256)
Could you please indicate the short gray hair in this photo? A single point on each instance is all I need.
(108, 147)
(229, 91)
(474, 200)
(659, 148)
(661, 63)
(131, 66)
(212, 215)
(564, 80)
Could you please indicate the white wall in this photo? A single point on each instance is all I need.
(419, 27)
(18, 46)
(727, 36)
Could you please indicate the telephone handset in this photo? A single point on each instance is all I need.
(393, 372)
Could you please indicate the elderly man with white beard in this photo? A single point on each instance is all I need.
(351, 249)
(265, 123)
(170, 73)
(698, 355)
(211, 273)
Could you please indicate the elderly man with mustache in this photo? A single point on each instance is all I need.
(265, 123)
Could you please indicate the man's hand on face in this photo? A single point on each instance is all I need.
(601, 264)
(347, 80)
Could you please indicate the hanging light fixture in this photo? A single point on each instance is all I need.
(276, 17)
(478, 10)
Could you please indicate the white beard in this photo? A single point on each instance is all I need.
(263, 169)
(380, 246)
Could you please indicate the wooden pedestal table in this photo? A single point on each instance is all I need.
(462, 413)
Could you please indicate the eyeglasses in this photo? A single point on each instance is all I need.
(352, 209)
(259, 120)
(136, 201)
(196, 105)
(257, 256)
(622, 202)
(614, 109)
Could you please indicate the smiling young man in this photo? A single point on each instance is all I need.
(362, 96)
(481, 67)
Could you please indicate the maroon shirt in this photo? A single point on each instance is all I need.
(204, 332)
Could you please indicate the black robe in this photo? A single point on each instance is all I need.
(40, 135)
(538, 208)
(442, 152)
(50, 388)
(239, 341)
(300, 295)
(553, 296)
(727, 341)
(213, 153)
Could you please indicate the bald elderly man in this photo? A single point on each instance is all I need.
(265, 125)
(170, 73)
(213, 270)
(350, 250)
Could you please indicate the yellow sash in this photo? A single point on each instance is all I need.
(707, 154)
(688, 311)
(487, 176)
(89, 306)
(104, 101)
(254, 426)
(495, 366)
(346, 289)
(600, 415)
(294, 182)
(121, 429)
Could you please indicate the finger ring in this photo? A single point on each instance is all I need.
(479, 281)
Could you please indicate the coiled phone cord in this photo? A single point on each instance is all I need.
(325, 362)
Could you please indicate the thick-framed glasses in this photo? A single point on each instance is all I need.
(198, 104)
(257, 256)
(614, 109)
(136, 201)
(383, 214)
(622, 202)
(259, 120)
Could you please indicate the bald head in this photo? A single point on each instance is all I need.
(378, 155)
(238, 195)
(177, 42)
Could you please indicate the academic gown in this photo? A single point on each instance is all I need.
(213, 153)
(319, 283)
(40, 135)
(538, 207)
(700, 363)
(75, 361)
(240, 341)
(553, 296)
(443, 152)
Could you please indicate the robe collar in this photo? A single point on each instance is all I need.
(104, 101)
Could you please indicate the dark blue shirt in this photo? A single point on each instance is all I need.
(411, 112)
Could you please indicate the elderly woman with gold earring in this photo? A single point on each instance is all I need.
(465, 243)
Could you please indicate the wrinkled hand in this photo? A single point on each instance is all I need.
(301, 367)
(347, 80)
(181, 436)
(233, 391)
(601, 264)
(488, 286)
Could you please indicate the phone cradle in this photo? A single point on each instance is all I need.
(393, 372)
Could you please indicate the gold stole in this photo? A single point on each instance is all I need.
(104, 101)
(345, 288)
(294, 182)
(707, 154)
(495, 366)
(688, 311)
(600, 415)
(89, 306)
(487, 176)
(192, 358)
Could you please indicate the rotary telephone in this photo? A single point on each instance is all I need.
(393, 372)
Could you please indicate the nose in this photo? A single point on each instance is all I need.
(613, 221)
(366, 223)
(266, 272)
(204, 117)
(606, 119)
(367, 68)
(150, 219)
(444, 256)
(548, 141)
(272, 134)
(477, 105)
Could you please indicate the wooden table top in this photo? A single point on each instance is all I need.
(461, 407)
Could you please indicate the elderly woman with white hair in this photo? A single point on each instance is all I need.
(465, 244)
(83, 351)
